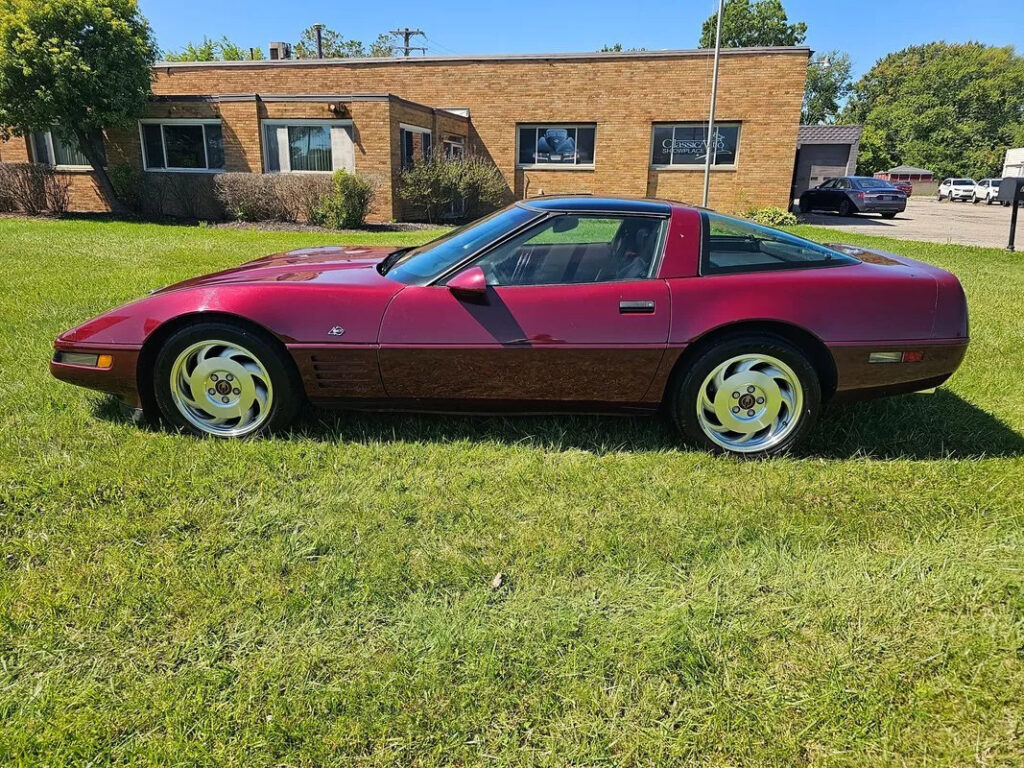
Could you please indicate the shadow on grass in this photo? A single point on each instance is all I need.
(941, 425)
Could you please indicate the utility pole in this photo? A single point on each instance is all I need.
(406, 34)
(714, 96)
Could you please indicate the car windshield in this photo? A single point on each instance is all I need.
(420, 265)
(963, 182)
(873, 184)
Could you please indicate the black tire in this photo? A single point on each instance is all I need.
(288, 394)
(685, 391)
(974, 199)
(889, 215)
(846, 208)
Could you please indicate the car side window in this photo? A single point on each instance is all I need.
(843, 184)
(828, 184)
(572, 248)
(731, 245)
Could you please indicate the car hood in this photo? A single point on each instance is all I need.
(331, 264)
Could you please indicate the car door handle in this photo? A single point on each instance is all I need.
(636, 307)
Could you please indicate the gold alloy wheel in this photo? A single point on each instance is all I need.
(750, 403)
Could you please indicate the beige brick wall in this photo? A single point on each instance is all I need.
(623, 95)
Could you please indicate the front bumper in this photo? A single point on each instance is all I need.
(961, 194)
(118, 379)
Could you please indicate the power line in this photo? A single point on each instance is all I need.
(407, 34)
(435, 44)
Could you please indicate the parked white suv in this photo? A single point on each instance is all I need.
(956, 189)
(986, 190)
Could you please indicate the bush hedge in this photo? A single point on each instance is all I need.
(442, 187)
(33, 189)
(347, 204)
(271, 197)
(770, 216)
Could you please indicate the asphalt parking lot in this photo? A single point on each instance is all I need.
(929, 220)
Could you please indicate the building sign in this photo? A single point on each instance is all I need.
(687, 144)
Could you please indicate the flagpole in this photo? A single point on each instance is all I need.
(714, 96)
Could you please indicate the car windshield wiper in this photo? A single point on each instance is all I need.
(389, 261)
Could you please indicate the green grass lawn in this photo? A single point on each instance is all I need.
(326, 599)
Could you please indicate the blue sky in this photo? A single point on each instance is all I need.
(867, 29)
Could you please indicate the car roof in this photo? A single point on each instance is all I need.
(590, 204)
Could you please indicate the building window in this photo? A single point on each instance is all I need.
(50, 149)
(454, 147)
(556, 145)
(416, 144)
(685, 144)
(308, 146)
(182, 145)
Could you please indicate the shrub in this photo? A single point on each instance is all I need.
(301, 194)
(271, 197)
(347, 204)
(7, 198)
(34, 189)
(127, 181)
(443, 187)
(250, 197)
(770, 216)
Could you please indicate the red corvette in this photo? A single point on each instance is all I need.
(569, 303)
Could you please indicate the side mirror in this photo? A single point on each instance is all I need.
(469, 282)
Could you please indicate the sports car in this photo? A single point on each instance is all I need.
(737, 332)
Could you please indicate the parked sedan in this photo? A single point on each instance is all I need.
(904, 186)
(848, 195)
(956, 189)
(740, 333)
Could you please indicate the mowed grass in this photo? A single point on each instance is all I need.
(327, 598)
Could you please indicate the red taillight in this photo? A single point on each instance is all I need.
(913, 357)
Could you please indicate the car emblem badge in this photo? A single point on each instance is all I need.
(337, 330)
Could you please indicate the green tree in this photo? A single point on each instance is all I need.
(758, 23)
(951, 108)
(828, 85)
(335, 46)
(617, 48)
(212, 50)
(74, 67)
(383, 47)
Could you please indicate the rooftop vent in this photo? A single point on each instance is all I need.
(280, 51)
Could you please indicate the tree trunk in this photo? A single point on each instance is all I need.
(91, 144)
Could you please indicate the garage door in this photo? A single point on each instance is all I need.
(817, 162)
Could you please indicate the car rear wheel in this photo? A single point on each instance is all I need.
(221, 380)
(846, 208)
(752, 396)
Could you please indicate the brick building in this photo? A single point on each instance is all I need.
(625, 123)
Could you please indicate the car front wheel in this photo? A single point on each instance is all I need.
(221, 380)
(752, 396)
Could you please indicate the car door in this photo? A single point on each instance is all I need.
(838, 194)
(569, 314)
(814, 197)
